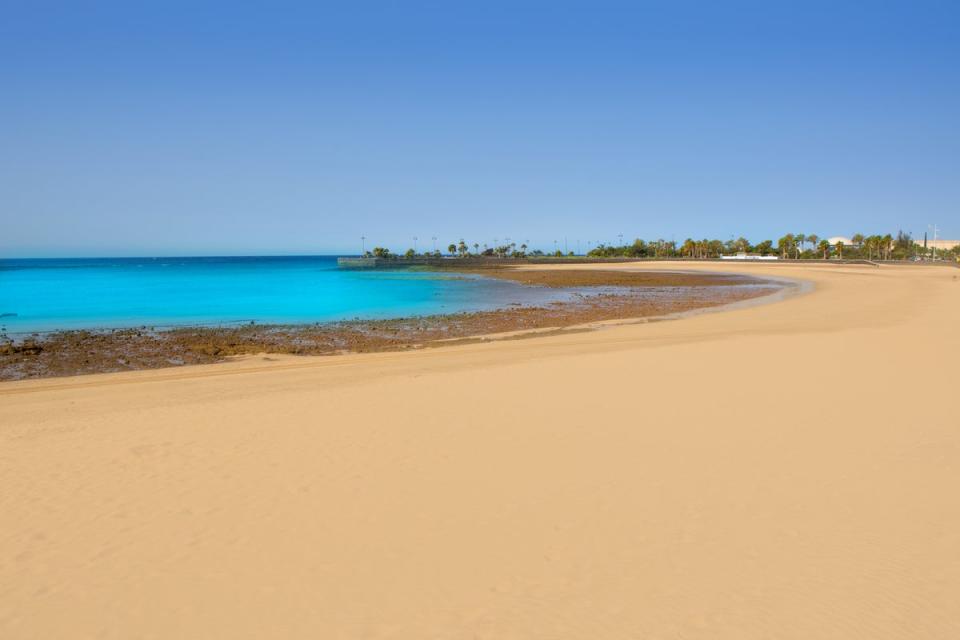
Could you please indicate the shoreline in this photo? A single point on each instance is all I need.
(601, 296)
(779, 458)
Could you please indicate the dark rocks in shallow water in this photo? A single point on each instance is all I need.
(28, 348)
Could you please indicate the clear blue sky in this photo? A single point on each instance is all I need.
(146, 128)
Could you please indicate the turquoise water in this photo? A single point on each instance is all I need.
(48, 295)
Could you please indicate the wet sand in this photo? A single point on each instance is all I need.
(787, 470)
(601, 296)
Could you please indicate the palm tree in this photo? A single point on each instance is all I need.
(523, 248)
(857, 239)
(451, 248)
(785, 244)
(801, 238)
(476, 248)
(813, 239)
(462, 247)
(824, 247)
(840, 249)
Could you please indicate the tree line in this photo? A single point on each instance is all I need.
(797, 246)
(462, 249)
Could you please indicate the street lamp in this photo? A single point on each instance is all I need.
(363, 245)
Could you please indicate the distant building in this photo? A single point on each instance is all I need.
(942, 245)
(939, 244)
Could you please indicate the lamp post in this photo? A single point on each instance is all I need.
(363, 245)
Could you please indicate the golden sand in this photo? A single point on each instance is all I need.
(781, 471)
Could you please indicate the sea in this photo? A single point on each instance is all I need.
(42, 295)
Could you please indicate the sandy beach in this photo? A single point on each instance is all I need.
(787, 470)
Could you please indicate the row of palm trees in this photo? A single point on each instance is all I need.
(875, 247)
(461, 249)
(791, 245)
(796, 243)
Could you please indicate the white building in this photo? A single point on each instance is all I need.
(752, 256)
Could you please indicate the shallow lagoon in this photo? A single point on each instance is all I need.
(53, 294)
